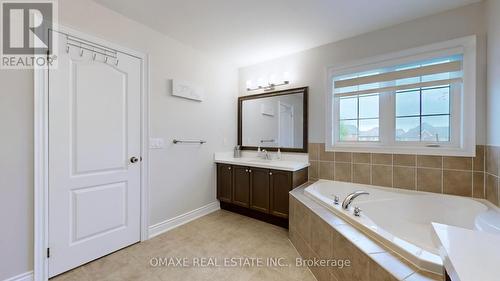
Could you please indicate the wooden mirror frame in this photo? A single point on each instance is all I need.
(305, 143)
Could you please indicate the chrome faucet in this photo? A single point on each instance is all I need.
(348, 200)
(266, 154)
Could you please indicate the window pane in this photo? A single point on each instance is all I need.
(349, 108)
(436, 101)
(408, 129)
(369, 130)
(348, 130)
(368, 106)
(408, 103)
(436, 128)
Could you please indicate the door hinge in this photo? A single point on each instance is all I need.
(48, 252)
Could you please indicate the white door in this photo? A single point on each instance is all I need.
(94, 131)
(286, 125)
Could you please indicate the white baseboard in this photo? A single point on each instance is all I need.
(27, 276)
(172, 223)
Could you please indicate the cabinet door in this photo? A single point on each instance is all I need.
(241, 186)
(259, 189)
(224, 182)
(281, 184)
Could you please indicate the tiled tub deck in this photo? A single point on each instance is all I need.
(319, 234)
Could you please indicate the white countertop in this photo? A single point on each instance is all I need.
(468, 255)
(287, 163)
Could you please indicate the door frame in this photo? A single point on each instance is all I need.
(41, 183)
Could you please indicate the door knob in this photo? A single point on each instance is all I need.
(134, 160)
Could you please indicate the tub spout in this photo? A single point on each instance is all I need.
(348, 200)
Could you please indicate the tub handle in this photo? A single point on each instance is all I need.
(336, 200)
(357, 211)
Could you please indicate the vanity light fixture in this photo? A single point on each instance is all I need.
(271, 85)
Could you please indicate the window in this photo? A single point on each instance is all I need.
(417, 103)
(359, 118)
(423, 114)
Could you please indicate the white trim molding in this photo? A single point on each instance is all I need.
(27, 276)
(41, 164)
(172, 223)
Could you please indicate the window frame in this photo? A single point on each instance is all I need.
(462, 99)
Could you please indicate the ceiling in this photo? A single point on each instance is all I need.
(245, 32)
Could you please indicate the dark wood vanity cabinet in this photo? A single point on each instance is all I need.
(281, 182)
(257, 192)
(259, 189)
(224, 183)
(241, 186)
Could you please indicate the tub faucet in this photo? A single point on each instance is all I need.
(348, 200)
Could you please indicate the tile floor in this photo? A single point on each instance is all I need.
(219, 235)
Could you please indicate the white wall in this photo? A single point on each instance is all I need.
(493, 10)
(182, 177)
(308, 68)
(16, 172)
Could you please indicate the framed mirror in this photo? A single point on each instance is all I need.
(274, 120)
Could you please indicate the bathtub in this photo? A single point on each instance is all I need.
(401, 219)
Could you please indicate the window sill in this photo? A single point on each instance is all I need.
(438, 151)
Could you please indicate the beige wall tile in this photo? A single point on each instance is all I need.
(321, 238)
(314, 170)
(326, 170)
(405, 160)
(492, 189)
(381, 158)
(382, 175)
(320, 272)
(404, 177)
(343, 156)
(364, 158)
(457, 183)
(342, 171)
(292, 221)
(343, 249)
(492, 159)
(458, 163)
(478, 185)
(300, 245)
(325, 155)
(478, 162)
(429, 161)
(361, 173)
(313, 151)
(303, 218)
(429, 180)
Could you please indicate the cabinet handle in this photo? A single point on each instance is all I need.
(246, 170)
(249, 171)
(229, 168)
(270, 173)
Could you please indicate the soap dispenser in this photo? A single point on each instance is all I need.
(278, 155)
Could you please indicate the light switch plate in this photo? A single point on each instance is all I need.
(156, 143)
